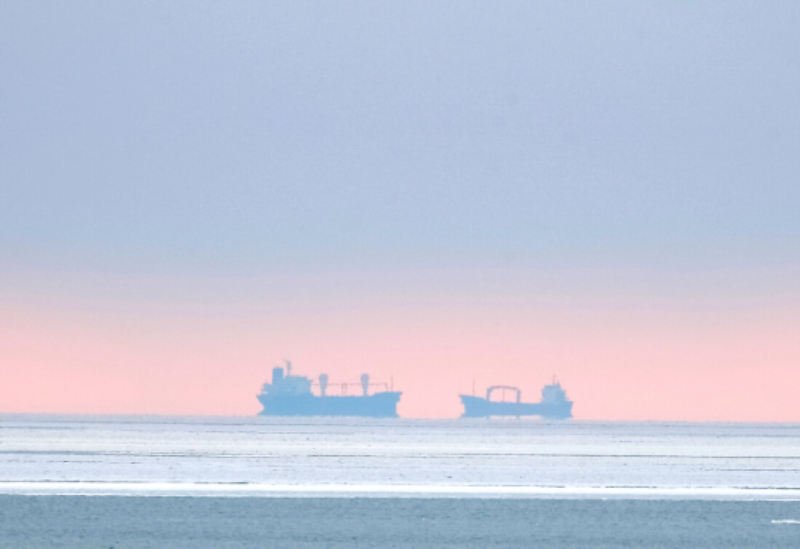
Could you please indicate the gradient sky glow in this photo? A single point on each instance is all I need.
(442, 193)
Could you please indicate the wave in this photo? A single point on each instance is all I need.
(249, 489)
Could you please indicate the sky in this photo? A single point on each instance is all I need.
(448, 195)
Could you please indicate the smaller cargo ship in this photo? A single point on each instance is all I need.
(554, 404)
(291, 395)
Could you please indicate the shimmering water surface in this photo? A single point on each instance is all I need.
(261, 482)
(262, 456)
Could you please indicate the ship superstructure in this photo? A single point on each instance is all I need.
(292, 395)
(553, 405)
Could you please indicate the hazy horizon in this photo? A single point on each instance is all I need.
(442, 193)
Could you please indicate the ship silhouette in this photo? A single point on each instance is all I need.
(291, 395)
(553, 405)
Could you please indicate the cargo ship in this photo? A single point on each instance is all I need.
(292, 395)
(553, 405)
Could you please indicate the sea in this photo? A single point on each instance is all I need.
(241, 482)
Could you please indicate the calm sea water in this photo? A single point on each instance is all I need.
(259, 482)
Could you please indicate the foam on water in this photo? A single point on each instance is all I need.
(413, 491)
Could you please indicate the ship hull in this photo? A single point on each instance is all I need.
(480, 407)
(376, 405)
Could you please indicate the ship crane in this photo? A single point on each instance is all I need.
(365, 384)
(503, 388)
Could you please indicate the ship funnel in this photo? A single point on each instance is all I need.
(365, 383)
(277, 375)
(323, 383)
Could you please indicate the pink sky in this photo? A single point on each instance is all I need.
(623, 359)
(442, 192)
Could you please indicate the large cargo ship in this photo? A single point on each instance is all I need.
(291, 395)
(554, 404)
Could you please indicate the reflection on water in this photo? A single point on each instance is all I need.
(483, 458)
